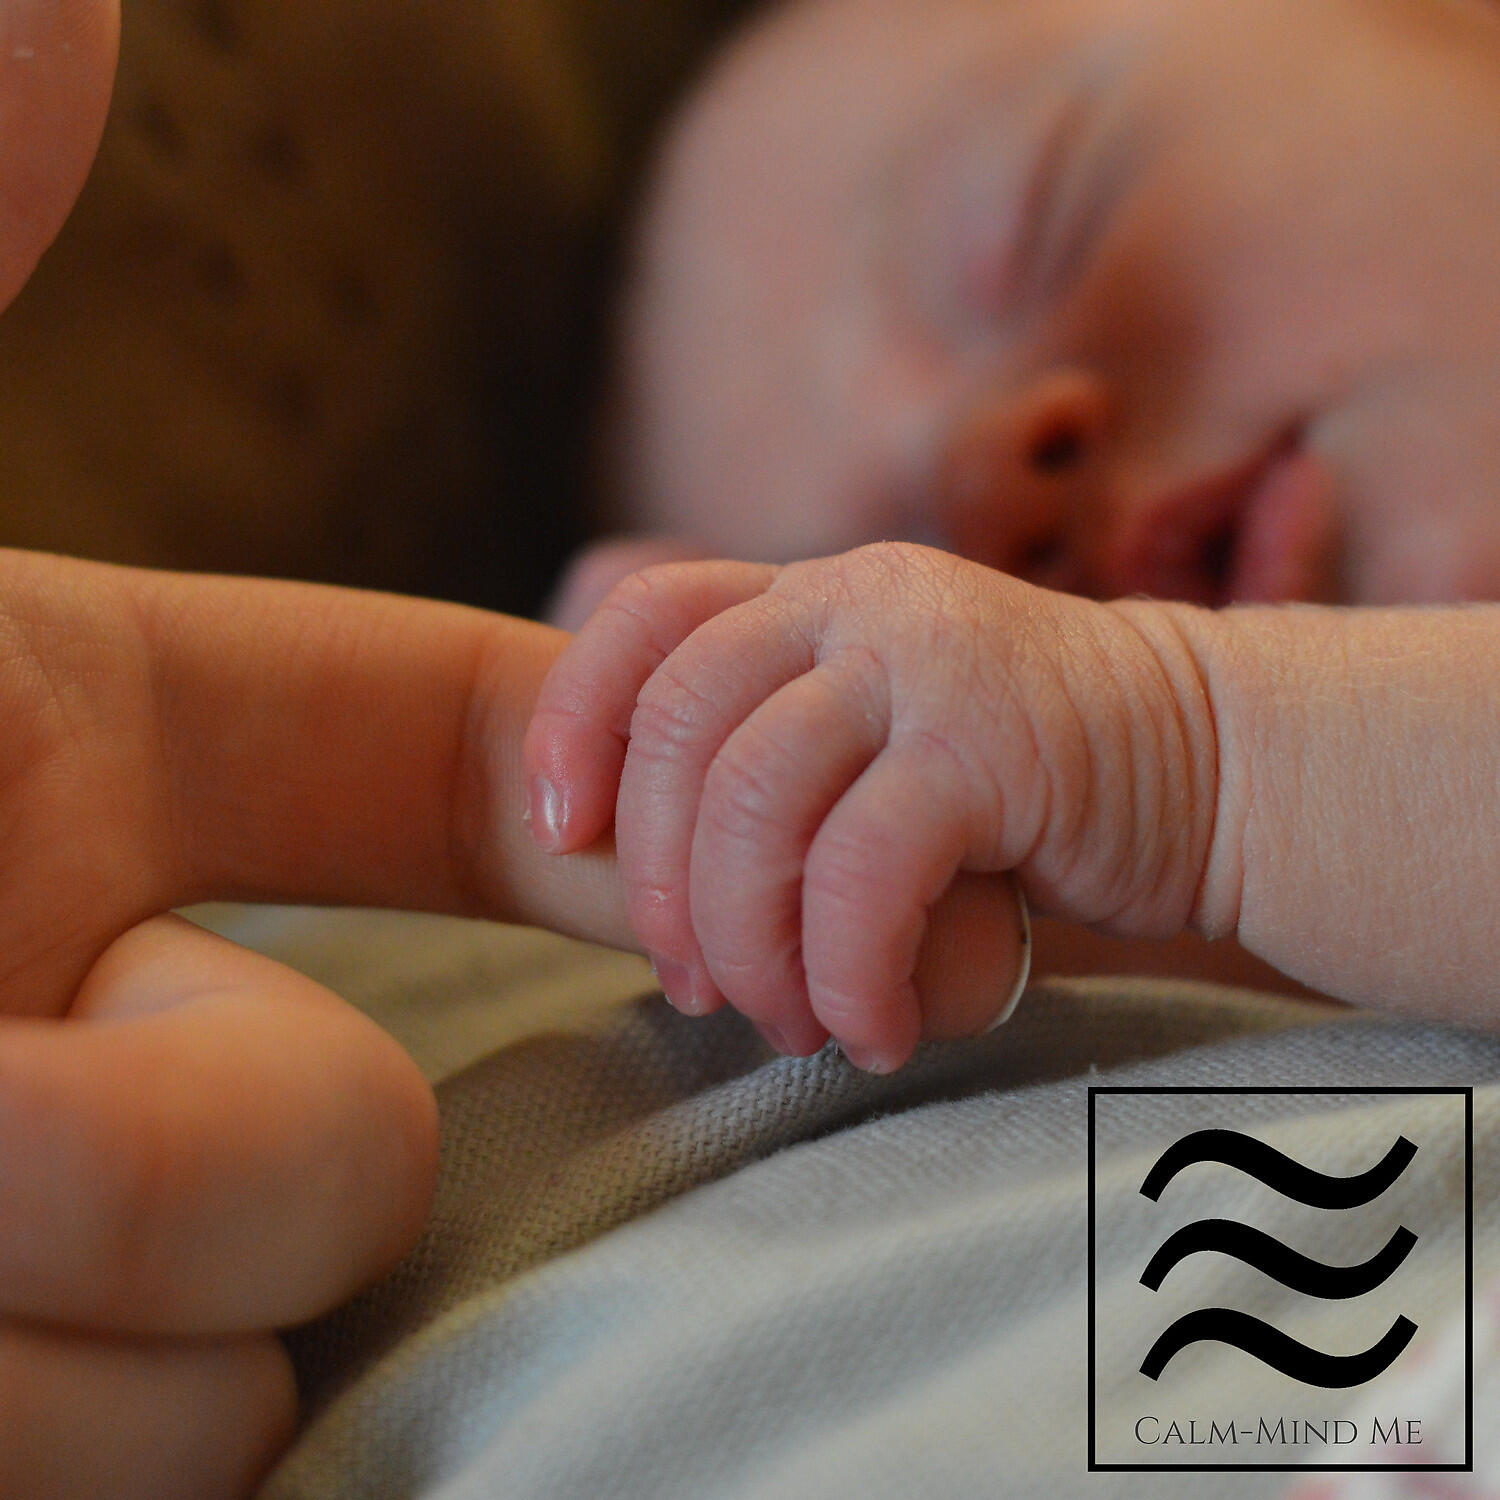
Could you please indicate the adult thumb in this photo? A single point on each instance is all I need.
(57, 65)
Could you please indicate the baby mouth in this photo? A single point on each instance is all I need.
(1263, 532)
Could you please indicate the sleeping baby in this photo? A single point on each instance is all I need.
(1160, 303)
(1044, 324)
(1116, 295)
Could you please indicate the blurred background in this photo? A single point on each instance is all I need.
(334, 300)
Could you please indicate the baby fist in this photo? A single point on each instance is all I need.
(822, 777)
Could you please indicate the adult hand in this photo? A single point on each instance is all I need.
(197, 1145)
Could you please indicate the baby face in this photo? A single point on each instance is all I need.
(1196, 300)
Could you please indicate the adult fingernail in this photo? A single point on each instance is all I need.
(547, 812)
(1019, 987)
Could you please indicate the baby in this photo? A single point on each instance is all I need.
(1115, 297)
(1121, 297)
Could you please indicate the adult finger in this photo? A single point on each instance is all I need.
(186, 1419)
(172, 738)
(57, 63)
(975, 957)
(212, 1144)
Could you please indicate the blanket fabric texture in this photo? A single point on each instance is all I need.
(664, 1263)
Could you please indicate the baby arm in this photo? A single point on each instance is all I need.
(807, 759)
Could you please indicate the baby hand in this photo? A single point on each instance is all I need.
(820, 773)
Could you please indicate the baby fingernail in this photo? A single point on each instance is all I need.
(547, 812)
(774, 1038)
(867, 1059)
(676, 983)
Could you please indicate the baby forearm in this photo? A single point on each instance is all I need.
(1356, 841)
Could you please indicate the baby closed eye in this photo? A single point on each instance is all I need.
(1019, 245)
(1081, 175)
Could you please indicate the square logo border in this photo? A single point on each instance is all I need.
(1467, 1466)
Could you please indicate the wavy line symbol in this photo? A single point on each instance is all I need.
(1279, 1172)
(1287, 1355)
(1298, 1272)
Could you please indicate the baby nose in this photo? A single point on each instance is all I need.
(1018, 487)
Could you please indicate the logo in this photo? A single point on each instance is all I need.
(1263, 1264)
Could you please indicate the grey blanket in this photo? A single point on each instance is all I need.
(664, 1263)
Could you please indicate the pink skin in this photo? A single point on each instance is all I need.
(197, 1145)
(810, 758)
(597, 569)
(1122, 296)
(820, 766)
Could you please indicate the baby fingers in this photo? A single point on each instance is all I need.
(802, 766)
(827, 888)
(683, 716)
(764, 797)
(575, 744)
(898, 942)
